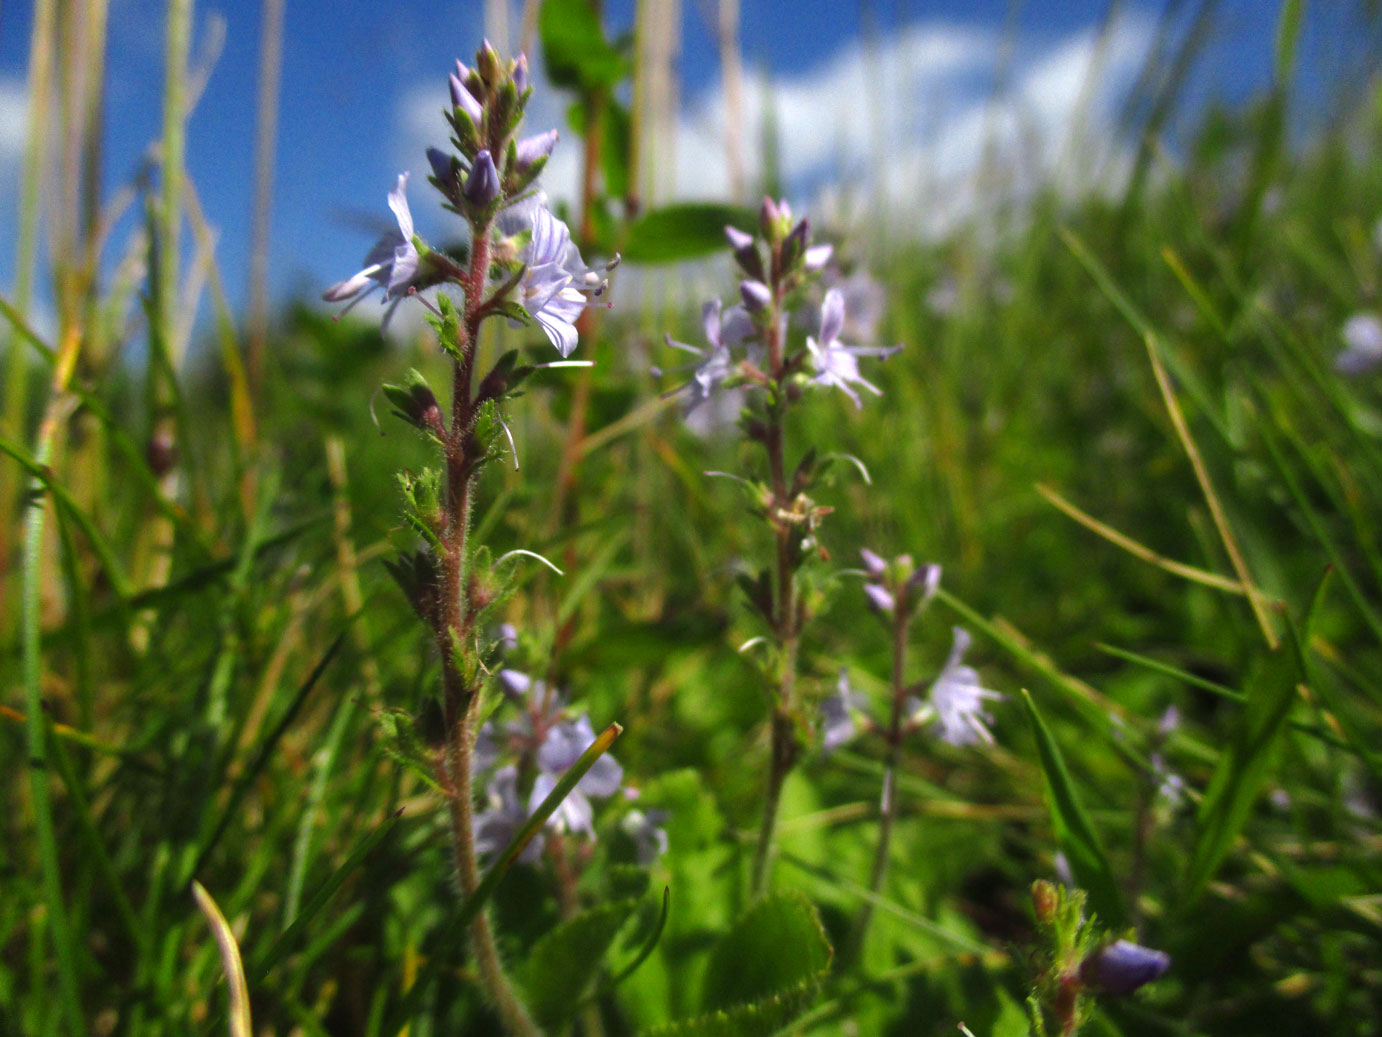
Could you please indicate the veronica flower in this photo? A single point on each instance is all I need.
(392, 264)
(504, 814)
(723, 332)
(958, 699)
(837, 714)
(1362, 335)
(561, 748)
(555, 744)
(648, 835)
(548, 292)
(837, 364)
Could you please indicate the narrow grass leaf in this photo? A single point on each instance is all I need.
(1073, 830)
(1242, 769)
(230, 962)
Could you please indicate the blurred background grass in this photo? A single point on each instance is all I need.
(200, 647)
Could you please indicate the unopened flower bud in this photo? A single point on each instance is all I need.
(533, 148)
(794, 245)
(756, 295)
(520, 73)
(482, 186)
(769, 217)
(873, 563)
(927, 580)
(1045, 900)
(487, 63)
(1123, 966)
(817, 256)
(879, 597)
(462, 98)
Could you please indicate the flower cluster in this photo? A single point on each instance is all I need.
(746, 344)
(953, 705)
(541, 744)
(535, 272)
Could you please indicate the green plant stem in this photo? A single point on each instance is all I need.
(64, 945)
(887, 816)
(453, 628)
(784, 744)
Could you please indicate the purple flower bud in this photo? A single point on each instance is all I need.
(817, 256)
(872, 562)
(769, 217)
(794, 246)
(487, 62)
(879, 598)
(737, 238)
(462, 98)
(441, 169)
(756, 295)
(482, 186)
(1120, 968)
(928, 580)
(534, 148)
(520, 73)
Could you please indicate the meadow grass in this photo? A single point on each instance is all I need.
(1125, 442)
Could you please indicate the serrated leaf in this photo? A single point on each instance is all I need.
(1074, 833)
(574, 47)
(776, 949)
(565, 960)
(762, 1017)
(687, 231)
(1241, 769)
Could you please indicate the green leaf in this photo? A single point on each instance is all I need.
(763, 973)
(1242, 768)
(686, 231)
(574, 48)
(1074, 833)
(564, 962)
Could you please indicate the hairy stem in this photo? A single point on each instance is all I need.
(784, 742)
(453, 629)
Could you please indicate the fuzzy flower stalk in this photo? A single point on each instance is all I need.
(519, 265)
(748, 346)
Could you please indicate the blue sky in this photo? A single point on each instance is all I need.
(363, 84)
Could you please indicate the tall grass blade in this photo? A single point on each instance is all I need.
(1073, 830)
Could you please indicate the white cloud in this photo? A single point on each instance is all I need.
(14, 114)
(908, 125)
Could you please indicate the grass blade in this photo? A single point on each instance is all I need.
(1074, 832)
(230, 962)
(1241, 770)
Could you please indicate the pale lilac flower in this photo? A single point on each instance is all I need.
(648, 835)
(837, 714)
(392, 264)
(520, 74)
(1123, 966)
(496, 825)
(864, 304)
(958, 699)
(723, 332)
(548, 292)
(1362, 335)
(837, 364)
(561, 748)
